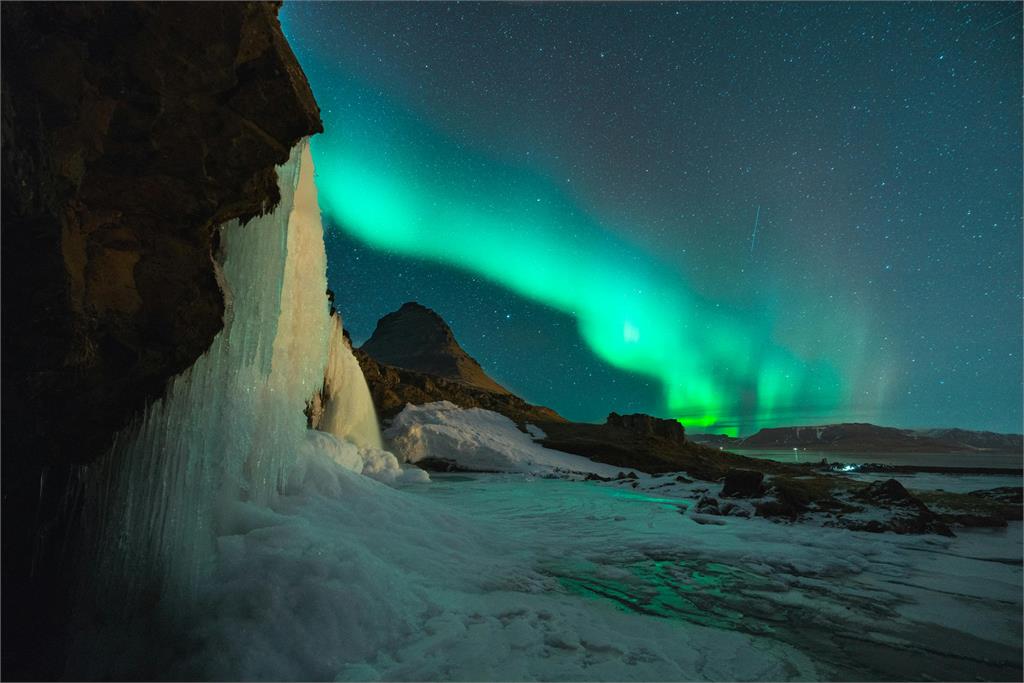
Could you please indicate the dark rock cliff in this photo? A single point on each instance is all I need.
(130, 131)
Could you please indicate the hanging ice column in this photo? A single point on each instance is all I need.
(347, 409)
(230, 427)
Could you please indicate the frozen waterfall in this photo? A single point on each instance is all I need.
(229, 430)
(227, 427)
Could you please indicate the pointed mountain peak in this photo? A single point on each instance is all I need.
(416, 338)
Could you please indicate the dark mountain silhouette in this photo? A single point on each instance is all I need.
(418, 339)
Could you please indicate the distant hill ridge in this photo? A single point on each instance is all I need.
(862, 436)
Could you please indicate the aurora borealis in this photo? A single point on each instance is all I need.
(745, 215)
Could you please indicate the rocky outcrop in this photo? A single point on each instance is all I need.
(418, 339)
(909, 515)
(631, 444)
(645, 425)
(130, 131)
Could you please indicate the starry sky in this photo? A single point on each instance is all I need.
(739, 215)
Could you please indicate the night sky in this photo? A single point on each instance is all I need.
(739, 215)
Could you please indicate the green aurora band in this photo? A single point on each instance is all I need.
(388, 179)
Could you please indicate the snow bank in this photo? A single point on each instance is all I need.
(479, 440)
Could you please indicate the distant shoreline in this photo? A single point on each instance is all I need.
(912, 469)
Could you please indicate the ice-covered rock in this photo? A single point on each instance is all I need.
(479, 440)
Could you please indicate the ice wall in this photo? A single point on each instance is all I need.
(230, 427)
(348, 410)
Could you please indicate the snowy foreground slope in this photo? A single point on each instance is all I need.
(510, 577)
(515, 576)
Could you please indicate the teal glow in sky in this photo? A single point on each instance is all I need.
(447, 143)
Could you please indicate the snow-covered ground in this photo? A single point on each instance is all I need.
(850, 605)
(365, 569)
(517, 577)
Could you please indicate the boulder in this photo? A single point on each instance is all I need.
(889, 491)
(909, 514)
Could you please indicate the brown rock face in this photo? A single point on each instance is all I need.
(130, 131)
(418, 339)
